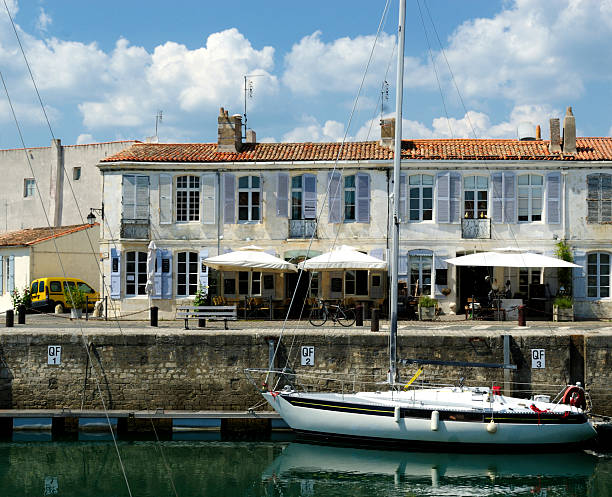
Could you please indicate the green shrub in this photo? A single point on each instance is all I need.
(201, 296)
(564, 274)
(74, 295)
(563, 302)
(21, 299)
(426, 301)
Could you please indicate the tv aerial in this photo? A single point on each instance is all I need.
(248, 94)
(384, 96)
(158, 119)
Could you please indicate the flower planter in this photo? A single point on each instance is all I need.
(563, 313)
(427, 313)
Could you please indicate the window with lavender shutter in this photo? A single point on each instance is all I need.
(363, 198)
(553, 198)
(443, 198)
(335, 197)
(310, 196)
(282, 195)
(229, 198)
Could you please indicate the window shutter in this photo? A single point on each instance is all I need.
(402, 267)
(363, 197)
(203, 270)
(165, 199)
(158, 275)
(496, 194)
(129, 196)
(229, 198)
(403, 207)
(553, 198)
(141, 210)
(335, 197)
(10, 274)
(115, 274)
(593, 198)
(261, 190)
(455, 198)
(282, 195)
(606, 198)
(166, 289)
(1, 274)
(443, 198)
(376, 291)
(209, 199)
(310, 196)
(579, 275)
(509, 198)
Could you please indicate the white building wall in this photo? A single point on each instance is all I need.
(22, 273)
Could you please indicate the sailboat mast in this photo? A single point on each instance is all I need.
(397, 156)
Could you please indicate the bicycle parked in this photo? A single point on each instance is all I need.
(337, 313)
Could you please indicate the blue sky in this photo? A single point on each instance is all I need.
(104, 70)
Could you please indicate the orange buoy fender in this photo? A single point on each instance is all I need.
(574, 396)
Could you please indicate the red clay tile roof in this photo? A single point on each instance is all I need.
(33, 236)
(591, 149)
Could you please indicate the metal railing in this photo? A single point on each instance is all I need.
(475, 228)
(302, 228)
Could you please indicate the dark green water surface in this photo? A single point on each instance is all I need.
(214, 468)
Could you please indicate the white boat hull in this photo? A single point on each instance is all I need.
(358, 417)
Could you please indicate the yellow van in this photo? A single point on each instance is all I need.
(47, 293)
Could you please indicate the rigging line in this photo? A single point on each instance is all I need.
(64, 273)
(28, 66)
(356, 100)
(433, 64)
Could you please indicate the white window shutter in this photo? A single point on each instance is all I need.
(553, 198)
(129, 196)
(363, 197)
(497, 198)
(229, 198)
(141, 210)
(402, 267)
(282, 194)
(1, 274)
(165, 199)
(335, 197)
(115, 274)
(209, 198)
(309, 204)
(403, 200)
(442, 198)
(157, 286)
(10, 275)
(509, 198)
(261, 194)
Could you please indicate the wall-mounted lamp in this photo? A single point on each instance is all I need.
(91, 218)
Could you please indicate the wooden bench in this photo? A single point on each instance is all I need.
(212, 312)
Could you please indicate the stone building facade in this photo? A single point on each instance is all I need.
(457, 196)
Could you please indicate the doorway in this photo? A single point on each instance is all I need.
(473, 282)
(299, 280)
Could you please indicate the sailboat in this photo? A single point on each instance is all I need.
(455, 416)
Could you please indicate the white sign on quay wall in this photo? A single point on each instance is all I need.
(538, 358)
(54, 355)
(307, 355)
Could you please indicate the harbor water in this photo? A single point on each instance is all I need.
(207, 466)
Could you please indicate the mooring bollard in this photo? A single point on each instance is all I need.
(359, 315)
(10, 318)
(521, 315)
(21, 313)
(154, 315)
(375, 316)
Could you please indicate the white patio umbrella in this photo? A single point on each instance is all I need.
(342, 257)
(250, 258)
(509, 257)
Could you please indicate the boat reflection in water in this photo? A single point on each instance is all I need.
(427, 473)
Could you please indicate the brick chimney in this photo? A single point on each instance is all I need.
(251, 137)
(569, 132)
(387, 132)
(555, 136)
(229, 137)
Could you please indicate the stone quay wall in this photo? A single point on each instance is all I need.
(204, 369)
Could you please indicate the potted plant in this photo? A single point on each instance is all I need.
(22, 301)
(427, 307)
(200, 299)
(563, 308)
(75, 299)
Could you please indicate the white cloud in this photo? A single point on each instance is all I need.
(84, 138)
(44, 20)
(314, 66)
(313, 131)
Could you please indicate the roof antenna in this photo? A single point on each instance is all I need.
(384, 97)
(248, 93)
(158, 119)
